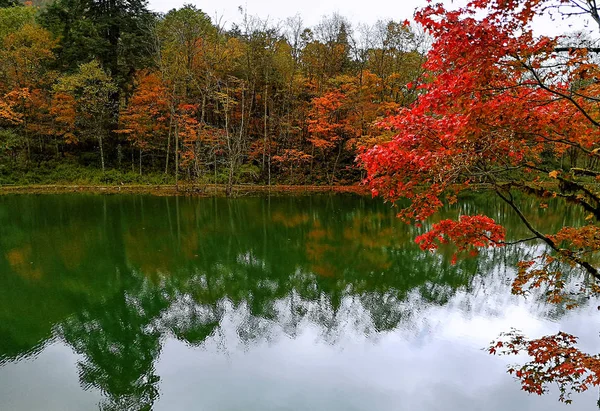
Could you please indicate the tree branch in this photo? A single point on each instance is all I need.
(566, 253)
(571, 49)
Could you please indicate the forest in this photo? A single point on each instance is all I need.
(110, 92)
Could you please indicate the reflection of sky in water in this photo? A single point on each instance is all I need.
(46, 382)
(335, 319)
(432, 361)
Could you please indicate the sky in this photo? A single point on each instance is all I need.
(311, 11)
(357, 11)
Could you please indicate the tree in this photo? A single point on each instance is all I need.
(13, 18)
(25, 56)
(90, 91)
(395, 55)
(146, 119)
(330, 123)
(503, 107)
(187, 52)
(116, 33)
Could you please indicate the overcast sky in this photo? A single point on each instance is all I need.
(357, 11)
(311, 11)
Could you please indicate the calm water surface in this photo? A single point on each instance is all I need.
(309, 303)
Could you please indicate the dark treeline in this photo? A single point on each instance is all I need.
(113, 89)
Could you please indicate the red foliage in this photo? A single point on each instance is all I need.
(467, 234)
(328, 124)
(146, 119)
(490, 107)
(554, 359)
(480, 112)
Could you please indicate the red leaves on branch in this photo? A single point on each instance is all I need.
(585, 239)
(480, 112)
(468, 234)
(328, 123)
(555, 359)
(495, 104)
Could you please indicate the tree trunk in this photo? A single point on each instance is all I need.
(265, 131)
(169, 145)
(337, 158)
(176, 157)
(229, 146)
(101, 151)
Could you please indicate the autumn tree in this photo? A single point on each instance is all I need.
(26, 53)
(146, 120)
(239, 102)
(326, 51)
(501, 107)
(88, 94)
(262, 47)
(395, 55)
(330, 126)
(188, 52)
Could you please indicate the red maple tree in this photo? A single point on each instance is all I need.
(501, 107)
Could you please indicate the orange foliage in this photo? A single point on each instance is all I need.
(63, 108)
(145, 121)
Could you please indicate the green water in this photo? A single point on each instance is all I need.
(284, 303)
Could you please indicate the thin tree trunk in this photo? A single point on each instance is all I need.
(337, 158)
(215, 154)
(265, 129)
(312, 157)
(169, 144)
(176, 157)
(229, 146)
(28, 147)
(101, 151)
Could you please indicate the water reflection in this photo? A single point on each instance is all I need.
(258, 303)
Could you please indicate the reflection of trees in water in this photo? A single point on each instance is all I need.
(124, 272)
(119, 344)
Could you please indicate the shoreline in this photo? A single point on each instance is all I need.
(196, 190)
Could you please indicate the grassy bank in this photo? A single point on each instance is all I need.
(182, 189)
(70, 173)
(69, 176)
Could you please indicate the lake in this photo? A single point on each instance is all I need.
(317, 302)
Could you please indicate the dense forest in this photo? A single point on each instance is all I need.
(111, 92)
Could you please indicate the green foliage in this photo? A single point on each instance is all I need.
(69, 172)
(8, 3)
(92, 89)
(114, 33)
(13, 18)
(248, 173)
(9, 141)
